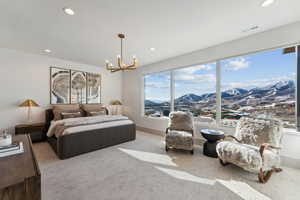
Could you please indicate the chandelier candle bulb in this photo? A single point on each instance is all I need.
(121, 64)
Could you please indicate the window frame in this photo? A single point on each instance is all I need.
(218, 82)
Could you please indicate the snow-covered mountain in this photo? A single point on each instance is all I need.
(239, 95)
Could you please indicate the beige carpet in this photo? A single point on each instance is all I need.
(142, 170)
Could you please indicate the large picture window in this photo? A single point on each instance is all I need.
(261, 84)
(157, 94)
(195, 90)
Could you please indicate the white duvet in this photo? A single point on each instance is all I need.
(75, 125)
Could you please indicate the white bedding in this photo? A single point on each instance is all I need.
(76, 125)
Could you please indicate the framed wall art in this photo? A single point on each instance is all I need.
(74, 87)
(93, 88)
(59, 86)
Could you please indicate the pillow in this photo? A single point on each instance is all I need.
(93, 108)
(96, 113)
(67, 115)
(58, 109)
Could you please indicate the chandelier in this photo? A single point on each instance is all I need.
(121, 65)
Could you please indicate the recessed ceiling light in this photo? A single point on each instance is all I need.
(69, 11)
(152, 49)
(47, 50)
(267, 3)
(250, 29)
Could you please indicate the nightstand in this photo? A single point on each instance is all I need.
(36, 131)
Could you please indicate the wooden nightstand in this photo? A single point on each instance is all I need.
(36, 131)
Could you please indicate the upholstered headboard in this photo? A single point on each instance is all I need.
(50, 116)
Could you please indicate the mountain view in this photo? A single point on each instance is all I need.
(277, 100)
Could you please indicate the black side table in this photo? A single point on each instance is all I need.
(212, 137)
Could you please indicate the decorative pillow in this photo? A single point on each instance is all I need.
(181, 121)
(67, 115)
(96, 113)
(88, 108)
(58, 109)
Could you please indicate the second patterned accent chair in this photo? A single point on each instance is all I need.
(179, 134)
(255, 146)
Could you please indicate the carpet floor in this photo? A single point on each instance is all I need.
(142, 170)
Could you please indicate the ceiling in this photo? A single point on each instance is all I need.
(173, 27)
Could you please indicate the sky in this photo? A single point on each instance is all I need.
(255, 70)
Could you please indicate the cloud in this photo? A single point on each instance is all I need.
(192, 70)
(196, 78)
(157, 85)
(249, 84)
(237, 64)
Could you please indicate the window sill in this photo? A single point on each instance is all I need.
(156, 118)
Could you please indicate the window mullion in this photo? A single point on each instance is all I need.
(218, 93)
(172, 87)
(297, 104)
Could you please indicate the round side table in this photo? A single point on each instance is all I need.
(212, 137)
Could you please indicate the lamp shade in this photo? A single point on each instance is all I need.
(29, 103)
(115, 102)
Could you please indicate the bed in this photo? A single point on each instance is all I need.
(89, 139)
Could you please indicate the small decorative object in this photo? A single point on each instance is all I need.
(60, 85)
(121, 65)
(115, 106)
(5, 139)
(29, 103)
(78, 87)
(93, 88)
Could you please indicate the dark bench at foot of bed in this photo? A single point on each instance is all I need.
(78, 143)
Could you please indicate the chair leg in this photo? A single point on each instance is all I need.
(167, 148)
(263, 177)
(278, 170)
(223, 163)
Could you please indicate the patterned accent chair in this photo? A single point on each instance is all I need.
(255, 147)
(179, 134)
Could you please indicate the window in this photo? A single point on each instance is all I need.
(261, 84)
(195, 90)
(157, 94)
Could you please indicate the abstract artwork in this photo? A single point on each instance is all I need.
(74, 87)
(93, 88)
(60, 86)
(78, 87)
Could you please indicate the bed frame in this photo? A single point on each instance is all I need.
(67, 146)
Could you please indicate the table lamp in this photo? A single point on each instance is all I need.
(29, 103)
(115, 104)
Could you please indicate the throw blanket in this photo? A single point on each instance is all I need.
(58, 128)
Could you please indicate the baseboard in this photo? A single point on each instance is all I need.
(149, 130)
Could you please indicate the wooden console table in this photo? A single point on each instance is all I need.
(20, 174)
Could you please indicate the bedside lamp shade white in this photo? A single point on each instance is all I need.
(29, 103)
(116, 108)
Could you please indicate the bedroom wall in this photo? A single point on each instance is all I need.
(132, 96)
(25, 75)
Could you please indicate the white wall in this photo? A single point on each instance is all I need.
(26, 76)
(133, 85)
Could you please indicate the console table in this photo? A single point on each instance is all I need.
(20, 174)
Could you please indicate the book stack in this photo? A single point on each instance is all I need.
(12, 149)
